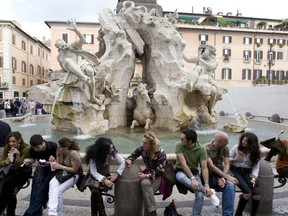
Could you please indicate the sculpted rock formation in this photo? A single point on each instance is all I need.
(95, 98)
(239, 126)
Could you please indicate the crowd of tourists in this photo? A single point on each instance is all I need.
(200, 168)
(19, 106)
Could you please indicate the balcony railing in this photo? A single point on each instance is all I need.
(4, 85)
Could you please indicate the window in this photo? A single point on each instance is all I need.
(227, 39)
(273, 55)
(281, 42)
(246, 55)
(13, 39)
(258, 56)
(31, 49)
(14, 80)
(89, 38)
(1, 35)
(23, 67)
(16, 94)
(23, 82)
(43, 71)
(280, 55)
(271, 41)
(257, 74)
(38, 51)
(246, 74)
(31, 83)
(258, 41)
(286, 75)
(43, 54)
(226, 54)
(31, 69)
(247, 40)
(65, 37)
(14, 64)
(270, 76)
(203, 39)
(38, 82)
(1, 61)
(23, 45)
(38, 70)
(280, 75)
(226, 74)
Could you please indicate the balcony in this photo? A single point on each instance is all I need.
(4, 85)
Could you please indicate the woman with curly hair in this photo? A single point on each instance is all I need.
(98, 157)
(68, 162)
(244, 159)
(13, 174)
(154, 157)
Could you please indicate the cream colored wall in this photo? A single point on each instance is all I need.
(57, 29)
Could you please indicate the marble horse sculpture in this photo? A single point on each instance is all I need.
(143, 115)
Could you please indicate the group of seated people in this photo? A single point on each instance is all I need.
(198, 168)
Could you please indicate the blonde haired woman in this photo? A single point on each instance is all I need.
(154, 158)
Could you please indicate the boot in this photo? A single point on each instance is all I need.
(254, 207)
(241, 206)
(154, 213)
(97, 204)
(11, 207)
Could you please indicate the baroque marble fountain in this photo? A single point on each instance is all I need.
(90, 93)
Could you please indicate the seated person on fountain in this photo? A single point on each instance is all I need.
(278, 147)
(73, 59)
(152, 179)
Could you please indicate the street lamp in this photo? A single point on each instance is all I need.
(270, 53)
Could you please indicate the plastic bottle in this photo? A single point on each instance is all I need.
(214, 199)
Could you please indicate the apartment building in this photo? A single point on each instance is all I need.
(24, 60)
(250, 51)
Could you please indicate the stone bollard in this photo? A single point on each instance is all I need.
(266, 186)
(128, 193)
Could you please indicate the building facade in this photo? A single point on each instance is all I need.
(250, 51)
(24, 61)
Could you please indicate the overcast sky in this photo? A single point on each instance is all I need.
(31, 14)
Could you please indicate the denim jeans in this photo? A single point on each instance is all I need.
(56, 190)
(199, 194)
(39, 192)
(228, 197)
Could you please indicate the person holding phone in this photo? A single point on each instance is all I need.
(244, 159)
(278, 147)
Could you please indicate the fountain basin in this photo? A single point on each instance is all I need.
(126, 139)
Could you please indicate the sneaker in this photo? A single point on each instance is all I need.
(214, 199)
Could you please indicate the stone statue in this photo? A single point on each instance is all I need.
(181, 98)
(239, 126)
(143, 115)
(202, 77)
(76, 61)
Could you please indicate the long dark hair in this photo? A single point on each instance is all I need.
(17, 136)
(70, 144)
(252, 147)
(99, 151)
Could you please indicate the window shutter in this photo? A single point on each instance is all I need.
(249, 74)
(223, 71)
(243, 74)
(250, 40)
(254, 74)
(230, 74)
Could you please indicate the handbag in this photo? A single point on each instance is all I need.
(4, 170)
(92, 183)
(170, 210)
(63, 175)
(169, 174)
